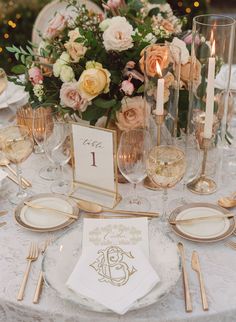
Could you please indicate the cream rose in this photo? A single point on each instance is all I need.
(67, 74)
(94, 81)
(185, 73)
(184, 54)
(70, 97)
(154, 53)
(118, 35)
(132, 114)
(74, 34)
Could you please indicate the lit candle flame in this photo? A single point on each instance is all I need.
(158, 69)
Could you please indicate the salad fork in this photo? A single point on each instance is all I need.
(32, 256)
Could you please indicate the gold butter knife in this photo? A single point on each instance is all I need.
(3, 212)
(187, 295)
(203, 218)
(196, 268)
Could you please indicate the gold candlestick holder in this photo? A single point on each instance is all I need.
(148, 183)
(203, 185)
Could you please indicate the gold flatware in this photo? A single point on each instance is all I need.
(32, 256)
(203, 218)
(3, 223)
(3, 212)
(196, 267)
(96, 209)
(187, 295)
(39, 286)
(5, 162)
(227, 202)
(12, 178)
(35, 206)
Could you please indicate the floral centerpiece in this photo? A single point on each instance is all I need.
(91, 65)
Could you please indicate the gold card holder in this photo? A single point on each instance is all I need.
(94, 164)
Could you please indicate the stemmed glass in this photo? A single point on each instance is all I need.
(41, 117)
(166, 166)
(57, 146)
(17, 147)
(3, 81)
(132, 153)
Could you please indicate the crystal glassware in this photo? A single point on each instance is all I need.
(166, 165)
(17, 147)
(57, 146)
(132, 153)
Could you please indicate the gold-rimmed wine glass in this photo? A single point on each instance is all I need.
(17, 147)
(3, 81)
(166, 166)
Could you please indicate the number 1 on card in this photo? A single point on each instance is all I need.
(94, 161)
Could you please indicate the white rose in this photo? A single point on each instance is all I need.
(57, 68)
(105, 24)
(184, 54)
(64, 58)
(67, 75)
(118, 36)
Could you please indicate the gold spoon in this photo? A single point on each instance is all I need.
(96, 209)
(5, 163)
(227, 202)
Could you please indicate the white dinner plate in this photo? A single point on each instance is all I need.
(203, 231)
(42, 219)
(63, 254)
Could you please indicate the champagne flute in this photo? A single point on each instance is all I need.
(57, 146)
(17, 147)
(133, 150)
(3, 81)
(166, 166)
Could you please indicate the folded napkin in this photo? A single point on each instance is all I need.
(3, 175)
(114, 276)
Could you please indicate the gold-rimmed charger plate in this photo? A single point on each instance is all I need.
(40, 220)
(202, 231)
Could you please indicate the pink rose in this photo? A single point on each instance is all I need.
(57, 24)
(189, 38)
(35, 75)
(70, 97)
(127, 87)
(113, 4)
(132, 115)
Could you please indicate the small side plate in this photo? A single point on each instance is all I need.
(202, 231)
(42, 220)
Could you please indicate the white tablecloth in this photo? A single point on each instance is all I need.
(218, 264)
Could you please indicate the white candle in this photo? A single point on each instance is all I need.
(160, 93)
(210, 97)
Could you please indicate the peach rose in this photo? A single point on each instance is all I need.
(185, 72)
(55, 26)
(35, 75)
(167, 25)
(70, 97)
(75, 50)
(154, 53)
(132, 114)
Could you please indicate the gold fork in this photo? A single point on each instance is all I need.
(32, 256)
(39, 286)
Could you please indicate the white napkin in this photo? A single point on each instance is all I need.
(114, 276)
(221, 78)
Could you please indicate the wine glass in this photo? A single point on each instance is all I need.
(57, 146)
(3, 81)
(132, 153)
(17, 147)
(166, 166)
(41, 117)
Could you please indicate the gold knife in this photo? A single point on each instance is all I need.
(187, 295)
(196, 219)
(3, 212)
(196, 268)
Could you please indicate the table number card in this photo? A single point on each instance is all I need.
(94, 168)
